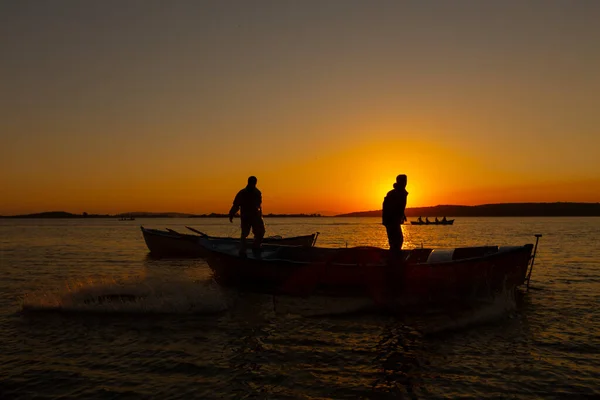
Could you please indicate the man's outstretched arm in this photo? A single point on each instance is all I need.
(235, 207)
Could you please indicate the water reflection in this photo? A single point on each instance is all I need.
(250, 325)
(399, 358)
(195, 270)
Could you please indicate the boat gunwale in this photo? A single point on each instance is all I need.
(178, 235)
(486, 257)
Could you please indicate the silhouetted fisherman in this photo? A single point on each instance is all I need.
(394, 205)
(249, 202)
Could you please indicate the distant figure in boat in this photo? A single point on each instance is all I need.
(444, 219)
(394, 205)
(427, 221)
(420, 219)
(249, 202)
(436, 220)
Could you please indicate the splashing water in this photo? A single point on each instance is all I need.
(130, 295)
(185, 296)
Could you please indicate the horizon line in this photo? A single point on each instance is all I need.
(296, 213)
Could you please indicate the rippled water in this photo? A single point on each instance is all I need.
(188, 338)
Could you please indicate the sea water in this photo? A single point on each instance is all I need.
(85, 313)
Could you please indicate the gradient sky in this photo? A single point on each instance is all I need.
(116, 106)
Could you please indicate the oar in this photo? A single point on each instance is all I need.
(537, 238)
(197, 231)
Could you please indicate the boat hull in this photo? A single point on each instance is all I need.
(448, 222)
(173, 244)
(417, 276)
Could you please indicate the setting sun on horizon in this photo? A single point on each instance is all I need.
(168, 107)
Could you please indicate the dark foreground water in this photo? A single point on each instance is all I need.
(190, 339)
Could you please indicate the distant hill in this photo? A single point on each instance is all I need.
(292, 215)
(485, 210)
(141, 214)
(144, 214)
(497, 210)
(374, 213)
(214, 215)
(211, 215)
(56, 214)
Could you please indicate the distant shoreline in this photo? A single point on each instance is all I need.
(135, 215)
(558, 209)
(497, 210)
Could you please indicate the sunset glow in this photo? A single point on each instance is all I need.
(171, 107)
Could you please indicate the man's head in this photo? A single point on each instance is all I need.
(252, 181)
(400, 181)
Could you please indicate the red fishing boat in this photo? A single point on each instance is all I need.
(417, 276)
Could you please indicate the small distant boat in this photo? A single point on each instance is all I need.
(447, 222)
(417, 276)
(127, 219)
(170, 243)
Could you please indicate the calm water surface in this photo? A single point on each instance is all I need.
(188, 338)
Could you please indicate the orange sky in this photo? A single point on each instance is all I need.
(114, 107)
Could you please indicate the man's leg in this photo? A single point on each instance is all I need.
(394, 233)
(390, 235)
(258, 230)
(400, 238)
(245, 232)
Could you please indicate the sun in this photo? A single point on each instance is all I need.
(376, 190)
(380, 186)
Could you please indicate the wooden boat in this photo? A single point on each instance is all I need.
(418, 276)
(447, 222)
(170, 243)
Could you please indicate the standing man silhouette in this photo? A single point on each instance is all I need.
(249, 202)
(394, 205)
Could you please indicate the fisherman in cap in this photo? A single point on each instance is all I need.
(249, 202)
(394, 205)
